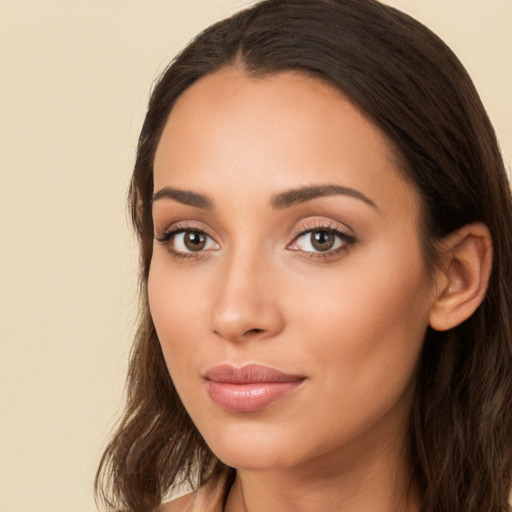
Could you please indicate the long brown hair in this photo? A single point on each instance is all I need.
(415, 89)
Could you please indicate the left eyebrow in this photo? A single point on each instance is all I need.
(303, 194)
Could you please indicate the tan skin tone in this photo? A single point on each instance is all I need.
(332, 288)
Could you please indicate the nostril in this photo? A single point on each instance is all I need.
(254, 331)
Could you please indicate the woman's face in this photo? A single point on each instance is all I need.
(287, 284)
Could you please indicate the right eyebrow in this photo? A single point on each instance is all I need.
(185, 197)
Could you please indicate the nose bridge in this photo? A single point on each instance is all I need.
(244, 304)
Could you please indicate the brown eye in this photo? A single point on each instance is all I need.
(194, 240)
(187, 241)
(322, 240)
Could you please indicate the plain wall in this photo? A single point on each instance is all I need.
(74, 81)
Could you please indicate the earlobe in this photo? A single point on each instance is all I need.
(463, 277)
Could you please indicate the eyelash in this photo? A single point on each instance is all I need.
(181, 228)
(347, 240)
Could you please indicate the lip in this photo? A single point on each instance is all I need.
(249, 388)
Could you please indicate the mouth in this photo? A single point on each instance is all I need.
(249, 388)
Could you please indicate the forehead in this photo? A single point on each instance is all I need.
(272, 132)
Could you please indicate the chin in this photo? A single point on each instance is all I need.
(253, 449)
(255, 459)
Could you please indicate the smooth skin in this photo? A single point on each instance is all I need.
(332, 287)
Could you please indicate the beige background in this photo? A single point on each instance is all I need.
(74, 81)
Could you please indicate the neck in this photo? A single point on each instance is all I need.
(378, 482)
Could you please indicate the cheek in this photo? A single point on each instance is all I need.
(179, 311)
(174, 296)
(366, 323)
(168, 309)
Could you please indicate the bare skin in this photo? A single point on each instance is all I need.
(330, 287)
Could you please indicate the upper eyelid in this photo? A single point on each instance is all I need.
(340, 233)
(337, 232)
(176, 227)
(318, 225)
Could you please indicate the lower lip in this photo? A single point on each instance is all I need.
(251, 396)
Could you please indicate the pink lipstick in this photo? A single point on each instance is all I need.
(249, 388)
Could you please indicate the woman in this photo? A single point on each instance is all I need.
(324, 220)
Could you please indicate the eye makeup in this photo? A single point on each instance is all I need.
(322, 233)
(185, 240)
(315, 240)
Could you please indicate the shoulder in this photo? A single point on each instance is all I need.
(182, 504)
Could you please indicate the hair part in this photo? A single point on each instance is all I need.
(415, 90)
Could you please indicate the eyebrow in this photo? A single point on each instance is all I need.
(185, 197)
(303, 194)
(278, 202)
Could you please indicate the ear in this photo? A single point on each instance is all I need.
(462, 279)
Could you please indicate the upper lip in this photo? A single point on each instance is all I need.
(249, 373)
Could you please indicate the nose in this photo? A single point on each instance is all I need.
(245, 304)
